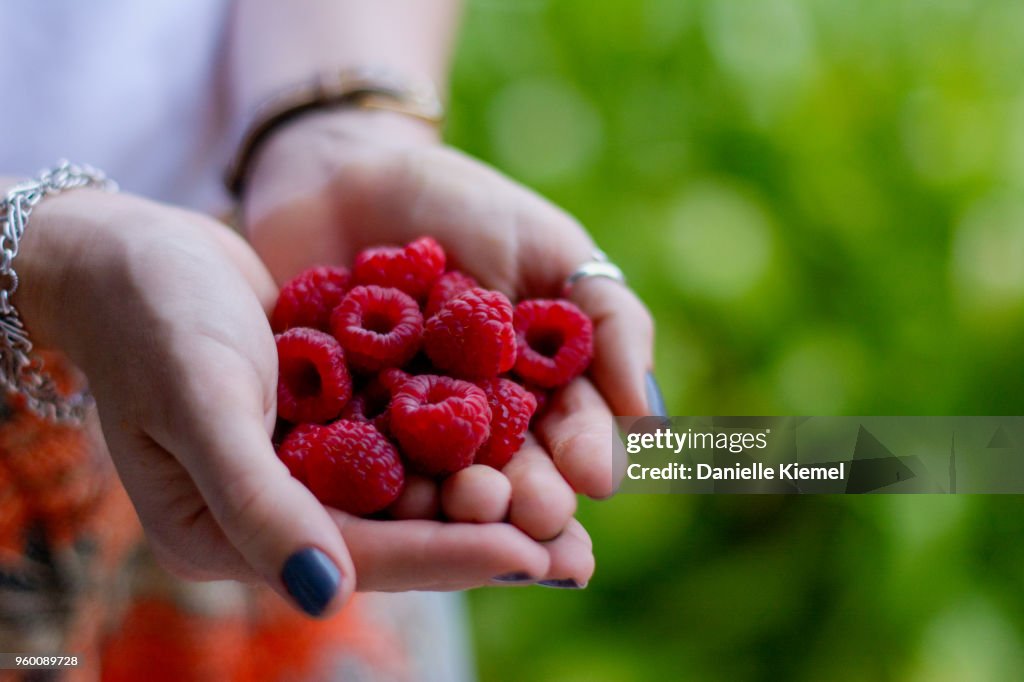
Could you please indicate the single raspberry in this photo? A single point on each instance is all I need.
(556, 342)
(448, 286)
(472, 335)
(351, 466)
(378, 327)
(296, 445)
(307, 300)
(512, 406)
(411, 269)
(439, 422)
(313, 383)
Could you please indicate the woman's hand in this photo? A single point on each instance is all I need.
(164, 310)
(330, 184)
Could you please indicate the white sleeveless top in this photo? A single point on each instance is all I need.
(132, 87)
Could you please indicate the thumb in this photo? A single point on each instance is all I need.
(281, 530)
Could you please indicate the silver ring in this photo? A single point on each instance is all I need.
(598, 266)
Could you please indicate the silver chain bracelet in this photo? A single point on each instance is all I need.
(20, 372)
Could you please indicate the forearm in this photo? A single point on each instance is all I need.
(278, 44)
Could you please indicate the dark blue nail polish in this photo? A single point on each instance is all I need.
(517, 577)
(312, 579)
(566, 584)
(655, 401)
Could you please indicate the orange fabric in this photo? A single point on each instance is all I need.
(13, 515)
(158, 643)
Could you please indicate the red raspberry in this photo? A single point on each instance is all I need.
(472, 336)
(448, 286)
(411, 269)
(378, 327)
(373, 403)
(556, 342)
(439, 422)
(313, 383)
(353, 467)
(294, 447)
(307, 300)
(512, 406)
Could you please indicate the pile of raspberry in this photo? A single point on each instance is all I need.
(401, 366)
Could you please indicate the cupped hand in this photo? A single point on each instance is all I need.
(330, 184)
(164, 310)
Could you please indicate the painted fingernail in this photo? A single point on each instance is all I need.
(517, 577)
(312, 579)
(655, 401)
(566, 584)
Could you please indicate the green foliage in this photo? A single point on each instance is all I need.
(820, 200)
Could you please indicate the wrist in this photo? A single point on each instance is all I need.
(54, 251)
(306, 154)
(332, 92)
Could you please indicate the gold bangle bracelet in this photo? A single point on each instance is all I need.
(357, 88)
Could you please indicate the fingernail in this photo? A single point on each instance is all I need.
(517, 577)
(312, 579)
(566, 584)
(655, 401)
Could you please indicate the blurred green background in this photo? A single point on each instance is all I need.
(821, 201)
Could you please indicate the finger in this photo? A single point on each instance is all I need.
(572, 558)
(476, 494)
(542, 502)
(393, 556)
(623, 343)
(577, 430)
(623, 329)
(284, 533)
(420, 499)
